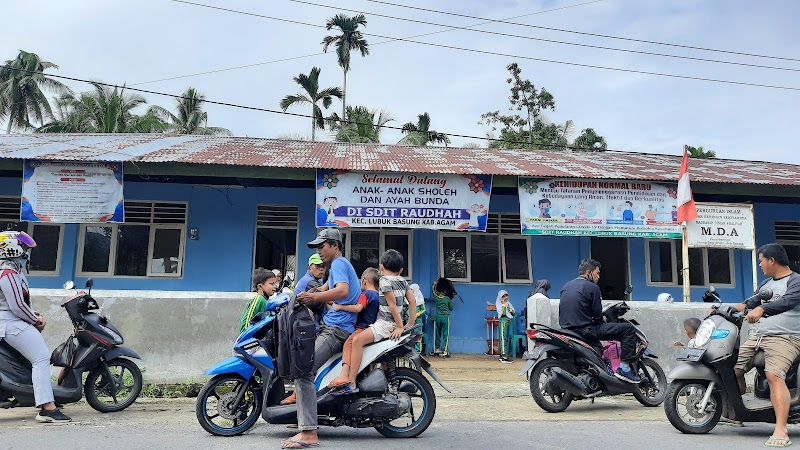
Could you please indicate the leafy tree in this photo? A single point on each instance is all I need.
(590, 141)
(420, 133)
(361, 125)
(191, 118)
(313, 95)
(700, 153)
(104, 110)
(22, 100)
(348, 39)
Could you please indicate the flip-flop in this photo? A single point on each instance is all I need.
(784, 442)
(729, 422)
(300, 444)
(346, 389)
(334, 383)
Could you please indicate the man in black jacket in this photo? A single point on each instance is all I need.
(580, 311)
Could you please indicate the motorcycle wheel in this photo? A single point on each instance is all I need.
(127, 378)
(213, 407)
(423, 405)
(540, 374)
(681, 406)
(652, 393)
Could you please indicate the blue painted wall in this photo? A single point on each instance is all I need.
(222, 258)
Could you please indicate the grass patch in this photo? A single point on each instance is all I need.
(188, 389)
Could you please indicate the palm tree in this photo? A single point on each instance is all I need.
(700, 153)
(191, 118)
(590, 141)
(21, 98)
(421, 133)
(349, 39)
(312, 94)
(361, 125)
(103, 110)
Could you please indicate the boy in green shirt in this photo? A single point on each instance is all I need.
(441, 338)
(264, 286)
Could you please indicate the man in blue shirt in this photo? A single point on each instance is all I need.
(344, 288)
(316, 270)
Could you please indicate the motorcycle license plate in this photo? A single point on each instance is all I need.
(690, 354)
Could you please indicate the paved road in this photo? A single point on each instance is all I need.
(460, 424)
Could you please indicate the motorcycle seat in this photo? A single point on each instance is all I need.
(595, 344)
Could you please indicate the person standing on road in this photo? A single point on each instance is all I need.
(581, 311)
(343, 287)
(444, 304)
(505, 312)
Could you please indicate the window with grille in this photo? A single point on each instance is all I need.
(787, 233)
(150, 243)
(46, 258)
(707, 266)
(276, 239)
(499, 255)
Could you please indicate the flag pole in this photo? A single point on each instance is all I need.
(685, 265)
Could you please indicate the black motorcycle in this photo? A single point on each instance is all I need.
(563, 366)
(113, 383)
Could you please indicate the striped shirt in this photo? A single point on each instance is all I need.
(396, 284)
(14, 297)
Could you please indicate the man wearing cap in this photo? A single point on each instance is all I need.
(343, 287)
(316, 270)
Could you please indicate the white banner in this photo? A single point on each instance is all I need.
(722, 225)
(72, 192)
(402, 200)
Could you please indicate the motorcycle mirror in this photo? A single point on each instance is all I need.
(711, 289)
(764, 294)
(69, 285)
(89, 283)
(628, 289)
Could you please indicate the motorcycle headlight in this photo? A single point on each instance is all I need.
(704, 333)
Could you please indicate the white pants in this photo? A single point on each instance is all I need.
(30, 343)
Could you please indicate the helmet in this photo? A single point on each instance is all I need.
(665, 298)
(15, 244)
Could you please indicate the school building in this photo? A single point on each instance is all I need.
(202, 212)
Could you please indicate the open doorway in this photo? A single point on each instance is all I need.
(613, 255)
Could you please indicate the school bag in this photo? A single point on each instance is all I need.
(297, 332)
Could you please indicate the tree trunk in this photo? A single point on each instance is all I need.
(344, 93)
(10, 121)
(313, 126)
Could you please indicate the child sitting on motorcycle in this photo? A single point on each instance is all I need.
(20, 325)
(264, 286)
(367, 309)
(394, 290)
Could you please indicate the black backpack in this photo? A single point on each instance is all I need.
(297, 332)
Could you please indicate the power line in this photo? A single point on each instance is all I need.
(372, 44)
(497, 33)
(255, 108)
(506, 55)
(583, 32)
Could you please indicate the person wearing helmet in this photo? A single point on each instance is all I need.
(21, 325)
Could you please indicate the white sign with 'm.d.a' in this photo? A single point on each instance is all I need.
(722, 225)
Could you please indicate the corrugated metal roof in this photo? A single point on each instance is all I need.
(241, 151)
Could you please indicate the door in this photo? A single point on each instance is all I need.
(613, 255)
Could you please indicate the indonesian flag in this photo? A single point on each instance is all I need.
(686, 209)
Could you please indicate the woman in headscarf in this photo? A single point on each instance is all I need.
(505, 311)
(540, 289)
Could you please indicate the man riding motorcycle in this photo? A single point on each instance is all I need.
(777, 333)
(580, 310)
(21, 325)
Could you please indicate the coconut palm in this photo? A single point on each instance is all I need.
(590, 141)
(349, 39)
(361, 125)
(700, 153)
(191, 118)
(104, 110)
(420, 133)
(22, 101)
(313, 95)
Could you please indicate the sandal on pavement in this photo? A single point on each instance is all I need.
(296, 443)
(729, 422)
(775, 441)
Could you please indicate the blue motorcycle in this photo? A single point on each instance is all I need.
(393, 396)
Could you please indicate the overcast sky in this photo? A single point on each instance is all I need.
(136, 41)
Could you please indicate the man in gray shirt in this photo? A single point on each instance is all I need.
(777, 333)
